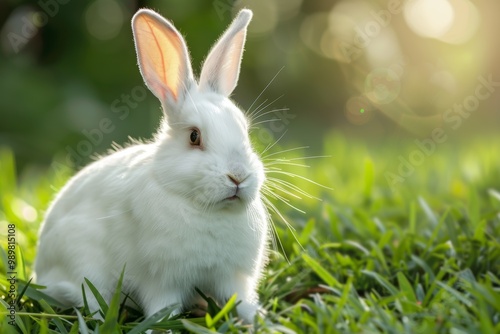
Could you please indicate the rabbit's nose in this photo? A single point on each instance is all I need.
(234, 179)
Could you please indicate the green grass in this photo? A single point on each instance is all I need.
(421, 257)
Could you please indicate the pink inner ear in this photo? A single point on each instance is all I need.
(161, 55)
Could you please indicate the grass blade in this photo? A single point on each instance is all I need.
(82, 325)
(111, 319)
(382, 281)
(428, 211)
(230, 305)
(197, 329)
(48, 309)
(321, 272)
(33, 292)
(97, 295)
(152, 320)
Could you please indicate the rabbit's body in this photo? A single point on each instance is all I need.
(171, 247)
(178, 213)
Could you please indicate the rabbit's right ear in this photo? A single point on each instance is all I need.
(163, 57)
(222, 67)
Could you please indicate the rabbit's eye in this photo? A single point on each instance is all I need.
(195, 137)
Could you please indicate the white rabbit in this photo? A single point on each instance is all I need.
(181, 211)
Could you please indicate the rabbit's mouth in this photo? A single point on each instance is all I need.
(233, 202)
(232, 198)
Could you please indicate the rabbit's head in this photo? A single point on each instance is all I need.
(203, 152)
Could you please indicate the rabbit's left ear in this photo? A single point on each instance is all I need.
(222, 67)
(163, 57)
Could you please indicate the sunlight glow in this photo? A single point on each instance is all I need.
(466, 23)
(429, 18)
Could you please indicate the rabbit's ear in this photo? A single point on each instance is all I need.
(162, 56)
(222, 67)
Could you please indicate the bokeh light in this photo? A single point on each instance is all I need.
(312, 33)
(450, 21)
(382, 86)
(466, 22)
(383, 66)
(358, 110)
(429, 18)
(104, 19)
(19, 20)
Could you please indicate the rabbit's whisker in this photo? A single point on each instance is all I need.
(266, 157)
(285, 200)
(267, 113)
(251, 114)
(274, 209)
(254, 126)
(279, 162)
(265, 88)
(301, 158)
(293, 175)
(293, 187)
(273, 144)
(258, 112)
(275, 238)
(274, 186)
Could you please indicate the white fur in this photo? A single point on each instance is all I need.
(162, 208)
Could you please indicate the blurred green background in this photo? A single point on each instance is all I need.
(376, 71)
(398, 100)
